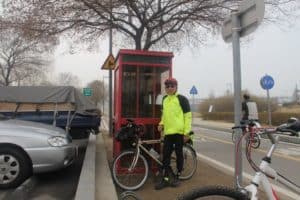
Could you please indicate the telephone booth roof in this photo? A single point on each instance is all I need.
(143, 52)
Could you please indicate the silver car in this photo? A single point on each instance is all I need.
(29, 147)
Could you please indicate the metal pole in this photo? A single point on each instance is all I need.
(110, 73)
(269, 108)
(193, 102)
(237, 94)
(103, 91)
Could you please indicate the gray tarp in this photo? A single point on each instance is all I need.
(46, 94)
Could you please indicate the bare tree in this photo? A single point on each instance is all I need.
(21, 60)
(144, 23)
(99, 95)
(68, 79)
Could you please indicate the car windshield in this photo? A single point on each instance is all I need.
(2, 117)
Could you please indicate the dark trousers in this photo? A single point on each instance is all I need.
(172, 142)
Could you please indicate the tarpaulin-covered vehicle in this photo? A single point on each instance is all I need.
(61, 106)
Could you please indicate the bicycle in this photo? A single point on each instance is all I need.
(253, 128)
(130, 168)
(129, 195)
(250, 192)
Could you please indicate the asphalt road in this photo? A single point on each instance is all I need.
(57, 185)
(218, 146)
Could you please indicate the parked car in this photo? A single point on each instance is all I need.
(30, 147)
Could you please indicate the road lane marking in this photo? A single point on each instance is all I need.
(259, 150)
(226, 132)
(216, 139)
(289, 151)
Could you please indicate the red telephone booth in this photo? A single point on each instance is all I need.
(139, 88)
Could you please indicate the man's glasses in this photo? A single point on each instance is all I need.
(170, 85)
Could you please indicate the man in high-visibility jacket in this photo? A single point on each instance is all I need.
(176, 121)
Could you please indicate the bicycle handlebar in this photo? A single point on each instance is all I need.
(239, 127)
(246, 123)
(267, 131)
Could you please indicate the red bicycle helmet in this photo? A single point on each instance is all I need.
(170, 80)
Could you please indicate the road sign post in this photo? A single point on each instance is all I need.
(109, 64)
(193, 91)
(267, 83)
(242, 22)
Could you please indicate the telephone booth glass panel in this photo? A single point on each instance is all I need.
(129, 91)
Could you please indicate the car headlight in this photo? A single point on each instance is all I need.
(57, 141)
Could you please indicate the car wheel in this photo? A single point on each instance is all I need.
(15, 167)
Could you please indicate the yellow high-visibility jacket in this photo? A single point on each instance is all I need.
(176, 115)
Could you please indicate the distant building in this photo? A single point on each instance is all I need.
(296, 95)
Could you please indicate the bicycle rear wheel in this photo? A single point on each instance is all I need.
(125, 175)
(189, 162)
(213, 193)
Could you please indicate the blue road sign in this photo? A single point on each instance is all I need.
(267, 82)
(193, 90)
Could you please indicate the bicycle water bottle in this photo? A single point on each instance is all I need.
(154, 153)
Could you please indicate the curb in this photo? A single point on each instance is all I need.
(91, 171)
(105, 186)
(86, 184)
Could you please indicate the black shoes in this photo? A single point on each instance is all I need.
(175, 182)
(162, 184)
(165, 182)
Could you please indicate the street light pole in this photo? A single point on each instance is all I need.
(103, 89)
(110, 72)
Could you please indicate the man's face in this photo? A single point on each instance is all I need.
(170, 88)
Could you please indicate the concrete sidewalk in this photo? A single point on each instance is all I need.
(105, 188)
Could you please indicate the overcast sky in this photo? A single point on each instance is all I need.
(269, 50)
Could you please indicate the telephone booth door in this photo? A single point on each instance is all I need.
(139, 88)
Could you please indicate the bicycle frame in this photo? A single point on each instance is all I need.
(140, 146)
(261, 178)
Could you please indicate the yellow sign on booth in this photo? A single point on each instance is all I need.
(109, 63)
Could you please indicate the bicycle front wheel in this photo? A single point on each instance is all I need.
(213, 192)
(189, 162)
(255, 141)
(127, 176)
